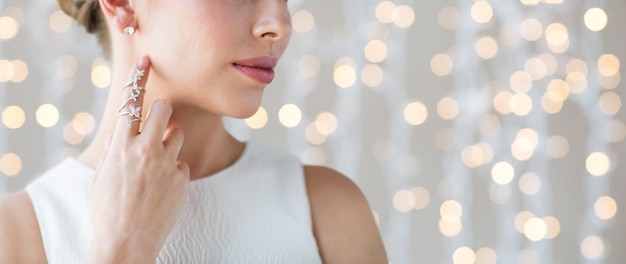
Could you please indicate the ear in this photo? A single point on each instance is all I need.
(120, 12)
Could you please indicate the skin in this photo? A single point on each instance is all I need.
(182, 137)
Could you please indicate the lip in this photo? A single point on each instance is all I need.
(260, 69)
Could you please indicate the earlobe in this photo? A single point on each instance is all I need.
(121, 13)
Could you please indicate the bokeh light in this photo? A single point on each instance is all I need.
(20, 71)
(60, 22)
(502, 173)
(595, 19)
(605, 207)
(372, 75)
(404, 201)
(415, 113)
(9, 27)
(486, 256)
(482, 12)
(326, 123)
(553, 227)
(47, 115)
(289, 115)
(463, 255)
(486, 46)
(384, 11)
(447, 108)
(608, 65)
(375, 51)
(592, 247)
(558, 146)
(13, 117)
(403, 16)
(345, 73)
(441, 64)
(448, 17)
(531, 29)
(10, 164)
(535, 229)
(422, 197)
(598, 164)
(258, 120)
(83, 123)
(529, 183)
(303, 21)
(101, 76)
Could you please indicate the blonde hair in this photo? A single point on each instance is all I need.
(89, 15)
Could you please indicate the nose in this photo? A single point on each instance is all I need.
(274, 22)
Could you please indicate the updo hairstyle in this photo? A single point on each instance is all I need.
(88, 14)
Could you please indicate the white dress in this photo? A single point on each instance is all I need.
(255, 211)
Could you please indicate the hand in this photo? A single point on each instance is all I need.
(139, 187)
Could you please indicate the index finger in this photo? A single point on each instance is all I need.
(129, 114)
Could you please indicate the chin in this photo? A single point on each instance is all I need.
(243, 109)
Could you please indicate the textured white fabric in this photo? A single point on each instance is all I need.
(255, 211)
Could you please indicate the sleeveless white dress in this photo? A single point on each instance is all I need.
(255, 211)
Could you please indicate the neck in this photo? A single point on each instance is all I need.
(207, 148)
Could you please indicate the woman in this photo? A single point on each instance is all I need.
(170, 184)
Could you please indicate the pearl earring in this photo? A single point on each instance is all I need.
(129, 30)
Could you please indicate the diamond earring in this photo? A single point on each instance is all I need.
(129, 30)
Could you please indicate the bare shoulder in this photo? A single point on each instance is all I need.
(20, 239)
(342, 219)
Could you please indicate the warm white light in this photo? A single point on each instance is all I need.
(289, 115)
(592, 247)
(303, 21)
(464, 255)
(598, 164)
(403, 16)
(10, 164)
(502, 173)
(375, 51)
(605, 207)
(531, 29)
(8, 27)
(486, 47)
(535, 229)
(345, 76)
(258, 120)
(20, 71)
(13, 117)
(415, 113)
(101, 76)
(60, 22)
(404, 201)
(372, 75)
(384, 11)
(481, 12)
(83, 123)
(47, 115)
(441, 64)
(326, 123)
(596, 19)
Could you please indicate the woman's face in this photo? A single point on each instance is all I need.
(216, 55)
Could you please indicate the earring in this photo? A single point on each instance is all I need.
(129, 30)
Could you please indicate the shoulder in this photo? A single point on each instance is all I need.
(19, 229)
(342, 219)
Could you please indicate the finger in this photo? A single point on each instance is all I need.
(131, 107)
(157, 120)
(107, 144)
(173, 141)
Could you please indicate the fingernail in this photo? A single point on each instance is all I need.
(143, 62)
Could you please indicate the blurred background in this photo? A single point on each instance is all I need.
(480, 131)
